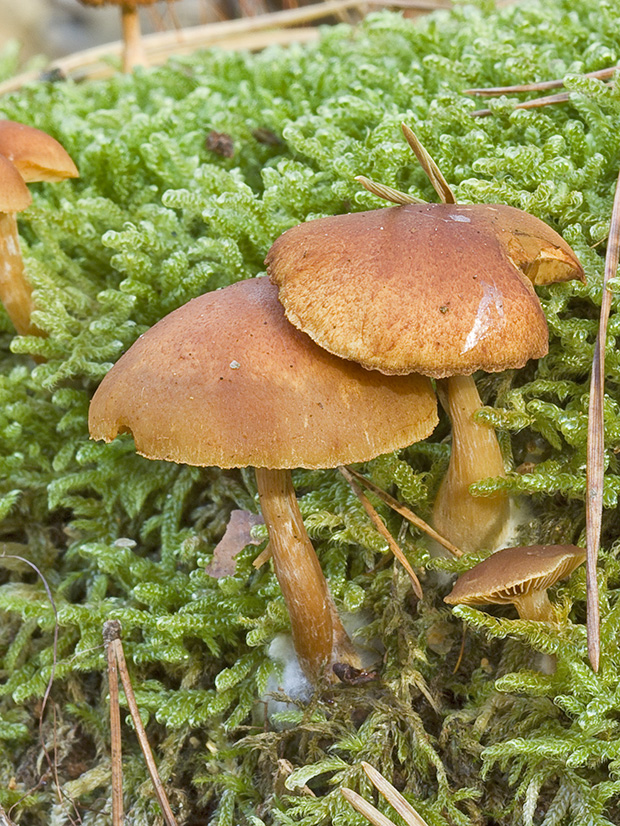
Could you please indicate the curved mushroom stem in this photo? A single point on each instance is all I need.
(15, 291)
(133, 47)
(471, 522)
(318, 634)
(535, 605)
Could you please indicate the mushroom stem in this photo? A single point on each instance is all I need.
(134, 53)
(318, 634)
(15, 291)
(535, 605)
(471, 522)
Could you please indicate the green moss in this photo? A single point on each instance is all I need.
(155, 219)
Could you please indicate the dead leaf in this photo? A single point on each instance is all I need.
(236, 537)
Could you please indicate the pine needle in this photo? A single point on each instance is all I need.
(112, 637)
(408, 514)
(388, 193)
(535, 103)
(393, 797)
(542, 86)
(433, 172)
(595, 465)
(365, 808)
(379, 525)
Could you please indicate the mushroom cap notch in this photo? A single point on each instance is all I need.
(226, 381)
(511, 573)
(438, 289)
(14, 194)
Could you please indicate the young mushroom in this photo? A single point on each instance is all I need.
(518, 576)
(26, 155)
(225, 380)
(438, 289)
(133, 48)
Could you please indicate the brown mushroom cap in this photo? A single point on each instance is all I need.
(37, 155)
(14, 194)
(511, 573)
(438, 289)
(225, 380)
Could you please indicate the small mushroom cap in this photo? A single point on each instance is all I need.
(513, 572)
(14, 194)
(37, 155)
(225, 380)
(438, 289)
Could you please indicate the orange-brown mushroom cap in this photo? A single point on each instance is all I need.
(226, 381)
(37, 155)
(439, 289)
(512, 573)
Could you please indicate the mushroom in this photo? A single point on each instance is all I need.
(225, 380)
(26, 155)
(133, 48)
(518, 576)
(438, 289)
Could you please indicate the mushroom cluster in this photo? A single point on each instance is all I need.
(227, 381)
(438, 289)
(26, 155)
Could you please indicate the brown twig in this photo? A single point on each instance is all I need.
(542, 86)
(535, 103)
(115, 724)
(380, 526)
(5, 819)
(112, 632)
(595, 465)
(409, 515)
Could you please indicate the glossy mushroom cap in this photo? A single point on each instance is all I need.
(14, 194)
(438, 289)
(36, 155)
(225, 380)
(514, 573)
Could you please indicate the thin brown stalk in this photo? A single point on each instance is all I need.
(110, 630)
(459, 659)
(535, 103)
(5, 819)
(380, 526)
(595, 465)
(429, 166)
(113, 632)
(541, 86)
(409, 515)
(393, 797)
